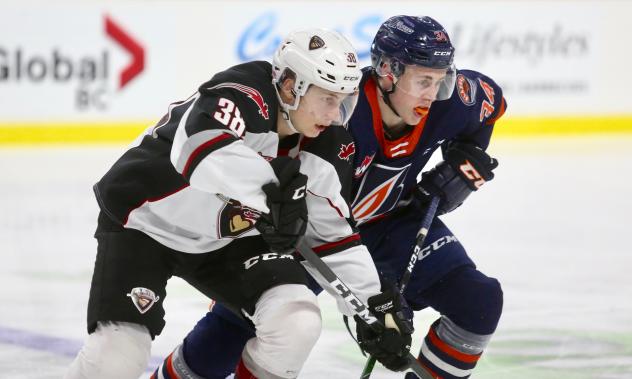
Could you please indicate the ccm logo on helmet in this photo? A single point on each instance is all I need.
(442, 53)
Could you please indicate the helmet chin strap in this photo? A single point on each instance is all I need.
(286, 117)
(285, 110)
(386, 94)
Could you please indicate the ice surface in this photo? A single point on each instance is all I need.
(553, 227)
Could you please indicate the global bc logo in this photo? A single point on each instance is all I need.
(92, 73)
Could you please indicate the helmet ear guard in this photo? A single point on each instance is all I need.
(286, 74)
(386, 66)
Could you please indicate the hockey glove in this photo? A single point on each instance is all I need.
(465, 169)
(287, 220)
(390, 347)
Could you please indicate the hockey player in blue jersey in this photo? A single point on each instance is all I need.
(412, 101)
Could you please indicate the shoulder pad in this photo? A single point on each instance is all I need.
(250, 87)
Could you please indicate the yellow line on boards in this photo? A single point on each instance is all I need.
(534, 126)
(70, 133)
(124, 132)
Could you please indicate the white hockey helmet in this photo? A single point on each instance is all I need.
(320, 57)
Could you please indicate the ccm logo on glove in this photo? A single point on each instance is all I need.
(299, 193)
(470, 172)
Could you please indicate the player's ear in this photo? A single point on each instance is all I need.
(385, 74)
(286, 90)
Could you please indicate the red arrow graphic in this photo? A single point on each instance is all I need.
(132, 46)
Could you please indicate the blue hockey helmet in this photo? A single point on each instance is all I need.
(414, 40)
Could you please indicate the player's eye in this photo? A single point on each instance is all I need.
(330, 100)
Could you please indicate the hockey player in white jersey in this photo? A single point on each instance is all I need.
(212, 194)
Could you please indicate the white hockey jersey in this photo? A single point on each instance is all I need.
(193, 182)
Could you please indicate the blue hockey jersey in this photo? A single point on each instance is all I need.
(385, 171)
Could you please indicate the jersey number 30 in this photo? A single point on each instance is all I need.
(229, 115)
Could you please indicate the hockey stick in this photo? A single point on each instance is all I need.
(421, 236)
(356, 305)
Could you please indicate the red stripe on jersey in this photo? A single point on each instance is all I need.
(170, 370)
(242, 372)
(332, 245)
(389, 148)
(376, 218)
(201, 148)
(331, 204)
(152, 200)
(449, 350)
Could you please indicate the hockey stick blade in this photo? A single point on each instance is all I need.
(359, 308)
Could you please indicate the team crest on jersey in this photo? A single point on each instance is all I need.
(346, 151)
(143, 298)
(235, 219)
(253, 95)
(466, 90)
(379, 192)
(364, 165)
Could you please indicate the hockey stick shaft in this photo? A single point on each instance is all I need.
(414, 257)
(359, 308)
(421, 237)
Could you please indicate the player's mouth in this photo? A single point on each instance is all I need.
(321, 128)
(422, 111)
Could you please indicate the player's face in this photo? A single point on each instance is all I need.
(317, 110)
(416, 89)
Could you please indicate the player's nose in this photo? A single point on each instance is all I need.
(426, 99)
